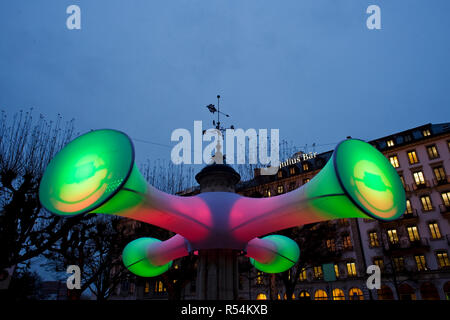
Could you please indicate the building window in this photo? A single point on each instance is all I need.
(280, 174)
(159, 287)
(412, 157)
(347, 242)
(413, 233)
(351, 269)
(259, 278)
(407, 138)
(442, 258)
(373, 237)
(390, 143)
(392, 236)
(446, 198)
(399, 263)
(292, 171)
(355, 294)
(426, 203)
(434, 230)
(336, 270)
(432, 152)
(379, 262)
(426, 133)
(302, 276)
(402, 180)
(331, 245)
(280, 189)
(306, 180)
(338, 294)
(304, 295)
(291, 186)
(320, 295)
(147, 287)
(394, 161)
(420, 263)
(261, 296)
(318, 272)
(439, 173)
(409, 209)
(419, 178)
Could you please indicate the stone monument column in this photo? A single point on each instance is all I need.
(217, 269)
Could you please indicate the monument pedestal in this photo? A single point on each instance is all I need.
(217, 274)
(217, 269)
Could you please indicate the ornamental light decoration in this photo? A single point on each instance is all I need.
(96, 173)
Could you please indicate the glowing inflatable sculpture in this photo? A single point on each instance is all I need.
(95, 173)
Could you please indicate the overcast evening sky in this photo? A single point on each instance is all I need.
(310, 68)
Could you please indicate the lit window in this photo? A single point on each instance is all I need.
(292, 171)
(338, 294)
(304, 295)
(280, 174)
(439, 173)
(302, 276)
(259, 278)
(392, 236)
(305, 167)
(261, 296)
(419, 179)
(426, 203)
(394, 161)
(434, 230)
(306, 180)
(420, 263)
(379, 262)
(355, 294)
(147, 287)
(399, 263)
(159, 287)
(320, 295)
(409, 209)
(413, 233)
(280, 189)
(336, 270)
(318, 272)
(442, 258)
(432, 152)
(373, 236)
(412, 157)
(331, 245)
(390, 143)
(351, 269)
(402, 180)
(426, 132)
(347, 242)
(446, 198)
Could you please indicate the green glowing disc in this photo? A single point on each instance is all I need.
(87, 172)
(369, 180)
(134, 257)
(287, 255)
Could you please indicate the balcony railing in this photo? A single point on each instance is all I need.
(442, 182)
(421, 185)
(444, 209)
(409, 214)
(406, 244)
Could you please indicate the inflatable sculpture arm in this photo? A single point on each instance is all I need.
(96, 173)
